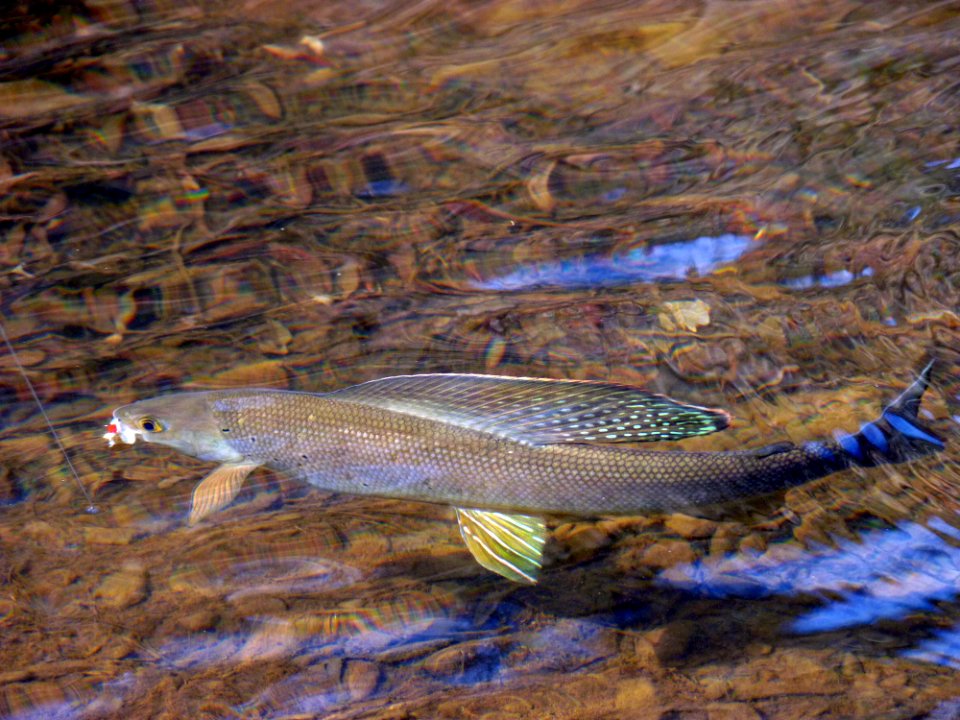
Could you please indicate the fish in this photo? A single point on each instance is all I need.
(505, 452)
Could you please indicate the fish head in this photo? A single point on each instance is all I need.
(182, 421)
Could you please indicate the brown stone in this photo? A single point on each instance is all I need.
(732, 711)
(634, 695)
(690, 528)
(582, 540)
(123, 588)
(753, 544)
(644, 654)
(668, 553)
(361, 678)
(785, 673)
(458, 659)
(258, 605)
(714, 688)
(670, 643)
(199, 620)
(726, 538)
(94, 535)
(43, 532)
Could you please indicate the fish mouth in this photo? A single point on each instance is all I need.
(118, 431)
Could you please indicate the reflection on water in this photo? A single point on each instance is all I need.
(282, 575)
(661, 262)
(831, 279)
(885, 574)
(943, 648)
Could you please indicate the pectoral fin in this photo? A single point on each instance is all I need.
(218, 489)
(509, 545)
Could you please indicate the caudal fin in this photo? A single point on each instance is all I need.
(898, 435)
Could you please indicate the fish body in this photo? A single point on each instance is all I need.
(349, 447)
(501, 450)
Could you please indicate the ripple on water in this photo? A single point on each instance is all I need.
(883, 575)
(274, 567)
(661, 262)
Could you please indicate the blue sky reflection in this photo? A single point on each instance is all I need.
(942, 649)
(664, 262)
(886, 575)
(828, 280)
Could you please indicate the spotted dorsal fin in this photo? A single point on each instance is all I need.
(539, 411)
(508, 544)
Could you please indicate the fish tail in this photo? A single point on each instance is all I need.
(897, 435)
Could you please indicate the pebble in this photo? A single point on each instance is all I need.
(250, 606)
(581, 540)
(668, 553)
(636, 696)
(459, 659)
(94, 535)
(199, 620)
(690, 528)
(43, 532)
(361, 678)
(732, 711)
(726, 538)
(123, 588)
(785, 673)
(753, 544)
(687, 315)
(671, 642)
(367, 544)
(410, 652)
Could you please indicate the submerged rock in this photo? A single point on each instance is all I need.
(126, 587)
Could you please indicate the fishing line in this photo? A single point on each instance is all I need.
(91, 508)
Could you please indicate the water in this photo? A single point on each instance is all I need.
(750, 205)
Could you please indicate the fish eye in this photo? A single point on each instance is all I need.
(149, 424)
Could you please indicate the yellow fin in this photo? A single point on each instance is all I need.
(218, 489)
(509, 545)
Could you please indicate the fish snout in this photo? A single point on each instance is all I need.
(119, 431)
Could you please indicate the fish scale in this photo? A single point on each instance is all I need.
(348, 447)
(496, 449)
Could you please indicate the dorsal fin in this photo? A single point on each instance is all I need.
(539, 411)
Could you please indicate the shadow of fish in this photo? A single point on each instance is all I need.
(503, 451)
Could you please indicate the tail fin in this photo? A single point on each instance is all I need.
(898, 435)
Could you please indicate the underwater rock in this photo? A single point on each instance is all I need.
(690, 528)
(732, 711)
(668, 553)
(786, 673)
(126, 587)
(671, 642)
(199, 620)
(95, 535)
(684, 315)
(464, 659)
(636, 696)
(361, 678)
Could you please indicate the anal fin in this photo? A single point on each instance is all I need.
(508, 544)
(218, 489)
